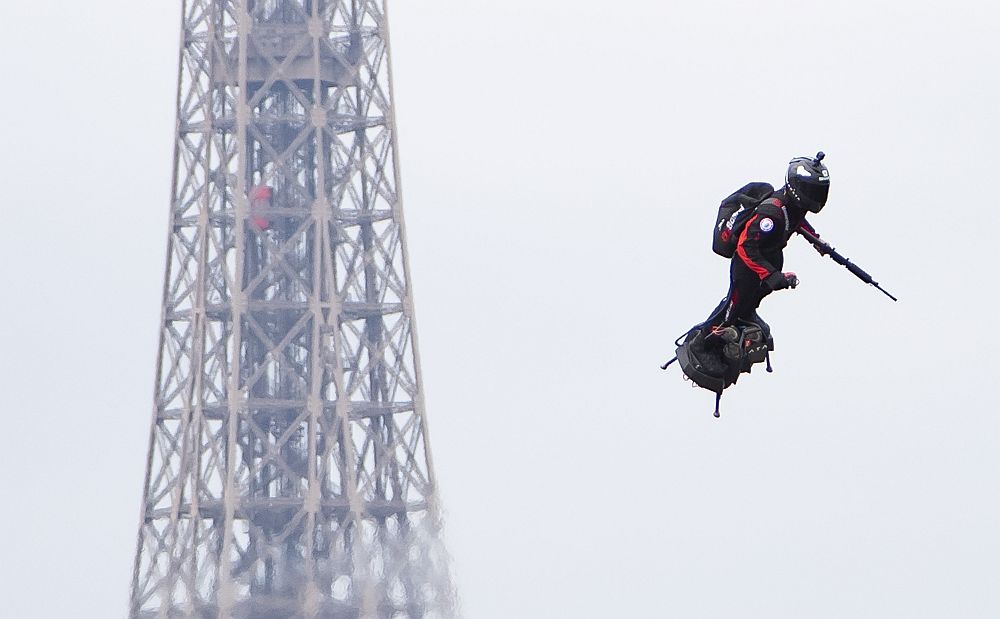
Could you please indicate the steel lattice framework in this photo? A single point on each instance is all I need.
(289, 473)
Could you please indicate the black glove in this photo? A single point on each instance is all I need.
(780, 281)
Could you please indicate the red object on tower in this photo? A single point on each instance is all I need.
(259, 196)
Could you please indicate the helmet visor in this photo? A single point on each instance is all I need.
(815, 193)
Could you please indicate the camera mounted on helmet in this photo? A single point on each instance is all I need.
(808, 180)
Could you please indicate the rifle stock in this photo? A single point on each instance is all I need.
(843, 261)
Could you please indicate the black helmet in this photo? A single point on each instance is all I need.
(808, 181)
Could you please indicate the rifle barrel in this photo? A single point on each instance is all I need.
(885, 292)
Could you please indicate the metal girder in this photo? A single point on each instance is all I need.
(289, 473)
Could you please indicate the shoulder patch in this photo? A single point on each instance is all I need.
(766, 224)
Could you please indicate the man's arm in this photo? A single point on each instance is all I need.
(762, 229)
(822, 247)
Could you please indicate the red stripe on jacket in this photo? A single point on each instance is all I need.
(759, 270)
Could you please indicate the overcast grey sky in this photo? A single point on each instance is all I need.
(562, 162)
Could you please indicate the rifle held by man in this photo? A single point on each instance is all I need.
(841, 260)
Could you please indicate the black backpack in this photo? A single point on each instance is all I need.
(734, 213)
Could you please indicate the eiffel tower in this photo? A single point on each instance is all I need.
(289, 472)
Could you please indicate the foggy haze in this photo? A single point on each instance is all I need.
(561, 167)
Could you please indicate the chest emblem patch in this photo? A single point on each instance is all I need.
(766, 225)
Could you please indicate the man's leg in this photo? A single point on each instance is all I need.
(745, 294)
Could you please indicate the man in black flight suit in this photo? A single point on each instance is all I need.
(755, 270)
